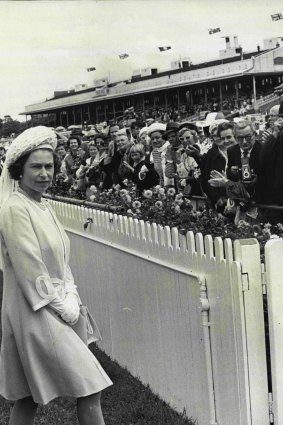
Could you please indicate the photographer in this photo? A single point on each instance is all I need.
(243, 181)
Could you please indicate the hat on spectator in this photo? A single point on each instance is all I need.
(156, 126)
(143, 130)
(210, 118)
(188, 125)
(171, 127)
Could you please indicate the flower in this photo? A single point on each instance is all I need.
(158, 204)
(177, 209)
(183, 183)
(147, 194)
(136, 204)
(179, 201)
(179, 196)
(156, 188)
(171, 191)
(123, 192)
(92, 198)
(161, 191)
(93, 188)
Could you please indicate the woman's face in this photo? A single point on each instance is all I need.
(136, 156)
(93, 151)
(156, 139)
(38, 172)
(74, 145)
(187, 138)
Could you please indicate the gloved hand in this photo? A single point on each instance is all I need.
(69, 308)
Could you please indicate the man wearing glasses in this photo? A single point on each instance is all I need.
(243, 178)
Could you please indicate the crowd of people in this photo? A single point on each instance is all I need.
(236, 166)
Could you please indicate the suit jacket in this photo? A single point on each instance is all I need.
(212, 160)
(234, 160)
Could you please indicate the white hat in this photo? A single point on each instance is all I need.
(30, 139)
(39, 137)
(156, 126)
(143, 130)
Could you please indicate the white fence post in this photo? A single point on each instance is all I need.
(248, 253)
(274, 282)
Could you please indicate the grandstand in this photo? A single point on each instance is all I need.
(235, 76)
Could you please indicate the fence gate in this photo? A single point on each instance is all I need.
(274, 283)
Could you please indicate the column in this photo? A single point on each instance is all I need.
(205, 94)
(114, 111)
(220, 94)
(254, 88)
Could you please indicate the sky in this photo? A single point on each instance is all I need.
(47, 46)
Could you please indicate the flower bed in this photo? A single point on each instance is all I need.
(168, 208)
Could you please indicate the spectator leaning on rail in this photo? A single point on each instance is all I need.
(182, 161)
(75, 158)
(141, 172)
(222, 135)
(243, 182)
(158, 153)
(121, 153)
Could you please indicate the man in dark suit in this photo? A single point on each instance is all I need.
(243, 160)
(243, 180)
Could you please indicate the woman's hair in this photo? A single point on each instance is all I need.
(17, 168)
(138, 148)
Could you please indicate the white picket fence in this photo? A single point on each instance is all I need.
(183, 313)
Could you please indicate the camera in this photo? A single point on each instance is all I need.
(246, 172)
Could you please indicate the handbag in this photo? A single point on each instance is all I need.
(86, 327)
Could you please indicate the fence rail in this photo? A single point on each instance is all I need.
(181, 312)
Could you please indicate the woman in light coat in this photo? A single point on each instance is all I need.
(42, 353)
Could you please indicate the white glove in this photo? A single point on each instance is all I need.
(69, 308)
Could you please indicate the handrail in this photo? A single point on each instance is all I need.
(119, 209)
(95, 205)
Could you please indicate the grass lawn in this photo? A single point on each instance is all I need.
(127, 402)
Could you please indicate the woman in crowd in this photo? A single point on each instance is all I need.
(222, 135)
(158, 150)
(183, 164)
(42, 353)
(142, 173)
(75, 158)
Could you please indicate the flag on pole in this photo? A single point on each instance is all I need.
(162, 49)
(277, 16)
(91, 69)
(123, 56)
(213, 30)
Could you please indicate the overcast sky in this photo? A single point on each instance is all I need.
(48, 45)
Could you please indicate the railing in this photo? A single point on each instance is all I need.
(184, 313)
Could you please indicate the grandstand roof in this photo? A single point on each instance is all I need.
(253, 63)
